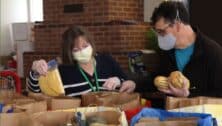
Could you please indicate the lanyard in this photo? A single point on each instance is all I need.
(87, 79)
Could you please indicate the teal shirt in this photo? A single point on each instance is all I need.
(183, 56)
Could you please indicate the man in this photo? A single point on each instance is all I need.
(186, 49)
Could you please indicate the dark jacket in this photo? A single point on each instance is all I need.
(204, 70)
(73, 81)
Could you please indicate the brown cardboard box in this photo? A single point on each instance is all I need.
(124, 101)
(174, 102)
(56, 103)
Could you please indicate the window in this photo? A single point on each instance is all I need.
(16, 11)
(36, 10)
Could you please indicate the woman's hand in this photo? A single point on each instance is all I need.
(111, 83)
(40, 66)
(128, 86)
(179, 92)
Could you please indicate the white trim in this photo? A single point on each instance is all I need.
(81, 84)
(79, 93)
(29, 19)
(34, 85)
(106, 89)
(75, 85)
(33, 89)
(148, 51)
(102, 80)
(33, 78)
(103, 88)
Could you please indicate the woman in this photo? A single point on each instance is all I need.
(83, 70)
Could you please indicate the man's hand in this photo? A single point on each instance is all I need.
(179, 92)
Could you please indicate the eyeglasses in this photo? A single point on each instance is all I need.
(162, 32)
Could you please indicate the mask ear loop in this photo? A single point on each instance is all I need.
(178, 16)
(178, 20)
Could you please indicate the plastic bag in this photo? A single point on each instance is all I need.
(51, 84)
(204, 119)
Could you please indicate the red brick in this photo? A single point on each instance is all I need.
(99, 11)
(115, 39)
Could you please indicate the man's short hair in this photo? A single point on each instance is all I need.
(169, 10)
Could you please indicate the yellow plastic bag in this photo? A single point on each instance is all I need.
(51, 84)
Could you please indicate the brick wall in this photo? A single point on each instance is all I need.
(108, 38)
(88, 11)
(106, 20)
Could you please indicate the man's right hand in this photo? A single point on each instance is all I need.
(40, 66)
(178, 92)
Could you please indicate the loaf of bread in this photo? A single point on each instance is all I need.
(176, 78)
(161, 82)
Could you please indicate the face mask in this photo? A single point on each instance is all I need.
(166, 42)
(84, 55)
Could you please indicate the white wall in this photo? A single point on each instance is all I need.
(13, 11)
(36, 10)
(149, 6)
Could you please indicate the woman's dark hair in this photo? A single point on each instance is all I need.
(68, 42)
(168, 10)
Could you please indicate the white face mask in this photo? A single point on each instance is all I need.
(166, 42)
(84, 55)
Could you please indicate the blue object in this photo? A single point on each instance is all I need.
(1, 107)
(136, 64)
(78, 117)
(215, 122)
(183, 56)
(10, 110)
(52, 64)
(79, 120)
(205, 119)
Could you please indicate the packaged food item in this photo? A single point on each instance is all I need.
(51, 84)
